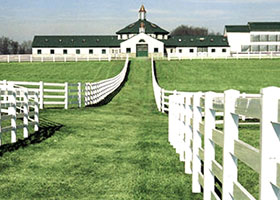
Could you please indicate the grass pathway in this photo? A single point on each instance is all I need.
(117, 151)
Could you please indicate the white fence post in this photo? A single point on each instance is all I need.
(188, 133)
(66, 96)
(162, 100)
(31, 59)
(36, 110)
(171, 122)
(80, 94)
(42, 58)
(230, 135)
(76, 58)
(8, 58)
(41, 91)
(197, 118)
(19, 58)
(209, 146)
(25, 113)
(270, 143)
(13, 112)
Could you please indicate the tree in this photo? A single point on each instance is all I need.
(15, 47)
(191, 30)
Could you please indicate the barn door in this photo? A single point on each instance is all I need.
(142, 50)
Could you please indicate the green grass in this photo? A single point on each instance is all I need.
(60, 72)
(218, 75)
(117, 151)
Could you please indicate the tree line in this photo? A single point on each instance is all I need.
(9, 46)
(191, 30)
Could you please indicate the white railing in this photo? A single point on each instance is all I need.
(18, 103)
(98, 91)
(52, 93)
(187, 127)
(193, 116)
(235, 55)
(61, 58)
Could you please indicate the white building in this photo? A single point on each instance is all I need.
(254, 37)
(141, 38)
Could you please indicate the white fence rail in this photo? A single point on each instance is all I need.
(193, 117)
(60, 58)
(52, 93)
(243, 55)
(17, 103)
(96, 92)
(187, 126)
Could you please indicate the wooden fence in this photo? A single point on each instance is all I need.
(52, 93)
(60, 58)
(18, 103)
(192, 122)
(96, 92)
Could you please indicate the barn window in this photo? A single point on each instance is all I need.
(213, 50)
(263, 47)
(39, 51)
(142, 40)
(65, 51)
(191, 50)
(78, 51)
(90, 51)
(180, 50)
(52, 51)
(255, 48)
(245, 48)
(272, 47)
(155, 50)
(255, 38)
(264, 38)
(103, 51)
(224, 50)
(128, 50)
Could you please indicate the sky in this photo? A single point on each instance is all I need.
(22, 19)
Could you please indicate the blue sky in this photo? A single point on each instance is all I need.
(22, 19)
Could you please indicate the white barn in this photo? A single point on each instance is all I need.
(255, 37)
(139, 39)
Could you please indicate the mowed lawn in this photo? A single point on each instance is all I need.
(117, 151)
(218, 75)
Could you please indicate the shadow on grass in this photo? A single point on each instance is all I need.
(46, 130)
(110, 97)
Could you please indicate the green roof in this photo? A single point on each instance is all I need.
(238, 28)
(264, 26)
(61, 41)
(150, 28)
(196, 41)
(254, 26)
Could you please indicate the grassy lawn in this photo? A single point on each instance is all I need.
(60, 72)
(117, 151)
(218, 75)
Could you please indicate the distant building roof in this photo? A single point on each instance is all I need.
(254, 26)
(264, 26)
(237, 28)
(197, 41)
(150, 28)
(61, 41)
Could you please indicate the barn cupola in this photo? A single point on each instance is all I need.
(142, 13)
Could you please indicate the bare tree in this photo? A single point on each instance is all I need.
(191, 30)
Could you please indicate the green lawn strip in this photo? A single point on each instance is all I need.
(117, 151)
(71, 72)
(218, 75)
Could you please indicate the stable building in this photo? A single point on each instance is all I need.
(255, 37)
(139, 39)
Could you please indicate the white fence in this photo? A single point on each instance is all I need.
(18, 103)
(187, 127)
(52, 93)
(96, 92)
(245, 55)
(60, 58)
(193, 118)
